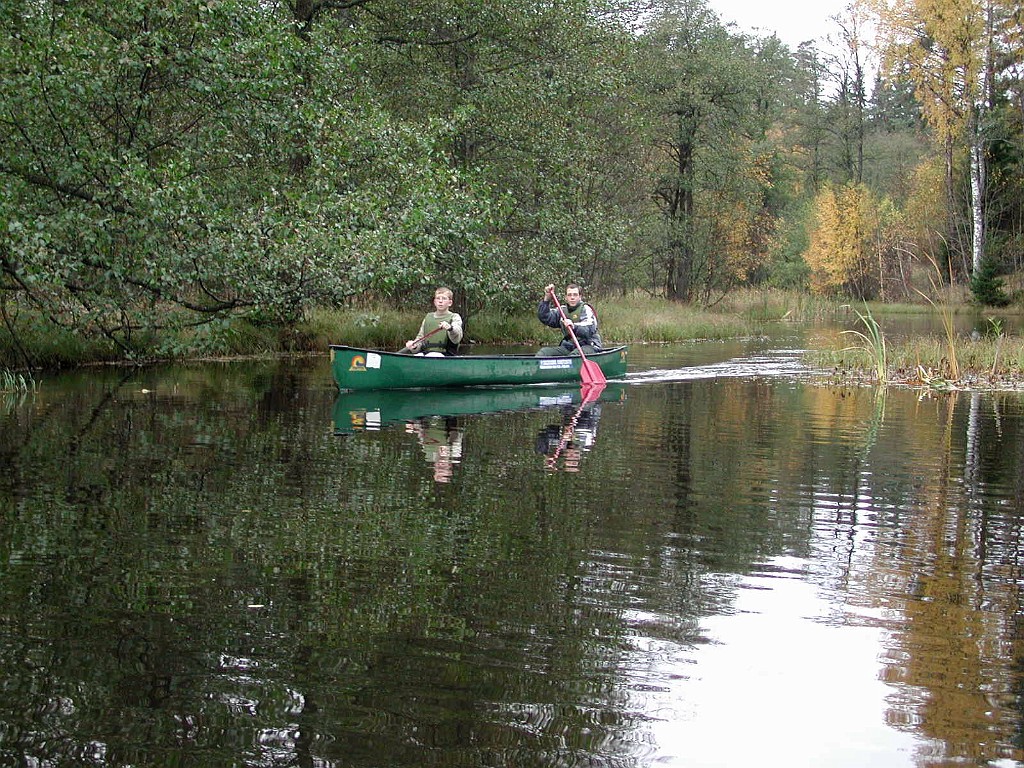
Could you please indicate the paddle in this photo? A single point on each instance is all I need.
(590, 372)
(424, 336)
(589, 393)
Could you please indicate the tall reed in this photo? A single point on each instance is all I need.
(15, 382)
(945, 309)
(872, 343)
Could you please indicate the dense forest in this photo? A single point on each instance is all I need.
(189, 162)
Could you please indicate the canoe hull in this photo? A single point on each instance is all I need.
(356, 369)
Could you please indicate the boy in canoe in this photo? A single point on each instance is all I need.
(430, 341)
(579, 316)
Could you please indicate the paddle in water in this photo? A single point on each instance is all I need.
(590, 372)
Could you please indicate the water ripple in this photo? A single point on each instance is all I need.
(774, 363)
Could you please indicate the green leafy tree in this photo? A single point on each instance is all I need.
(176, 164)
(537, 96)
(715, 105)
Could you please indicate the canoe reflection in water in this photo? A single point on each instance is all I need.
(441, 440)
(564, 444)
(438, 417)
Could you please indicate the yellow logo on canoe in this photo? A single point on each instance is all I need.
(358, 363)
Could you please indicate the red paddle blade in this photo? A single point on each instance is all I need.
(591, 373)
(590, 393)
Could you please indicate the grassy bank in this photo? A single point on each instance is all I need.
(636, 319)
(632, 320)
(995, 356)
(948, 360)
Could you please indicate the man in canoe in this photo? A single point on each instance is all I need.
(430, 341)
(579, 317)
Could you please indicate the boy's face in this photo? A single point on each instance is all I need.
(572, 296)
(442, 301)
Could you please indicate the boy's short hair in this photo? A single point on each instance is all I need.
(443, 289)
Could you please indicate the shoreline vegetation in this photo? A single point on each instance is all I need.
(185, 181)
(858, 351)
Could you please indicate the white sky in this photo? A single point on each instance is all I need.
(793, 21)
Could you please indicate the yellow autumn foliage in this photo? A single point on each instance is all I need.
(940, 43)
(925, 207)
(742, 227)
(841, 253)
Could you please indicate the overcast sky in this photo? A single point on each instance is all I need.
(794, 21)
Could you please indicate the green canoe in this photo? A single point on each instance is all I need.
(356, 368)
(370, 410)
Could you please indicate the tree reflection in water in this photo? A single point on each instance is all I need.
(748, 559)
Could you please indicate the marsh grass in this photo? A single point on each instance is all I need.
(222, 339)
(622, 321)
(48, 348)
(871, 342)
(11, 381)
(1001, 356)
(54, 348)
(773, 305)
(944, 304)
(369, 327)
(659, 320)
(924, 361)
(505, 329)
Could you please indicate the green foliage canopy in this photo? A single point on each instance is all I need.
(176, 163)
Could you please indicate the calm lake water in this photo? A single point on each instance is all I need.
(720, 563)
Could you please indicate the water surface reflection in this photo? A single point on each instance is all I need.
(221, 565)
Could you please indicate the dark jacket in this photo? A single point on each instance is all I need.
(584, 323)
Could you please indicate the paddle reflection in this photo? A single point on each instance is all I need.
(564, 444)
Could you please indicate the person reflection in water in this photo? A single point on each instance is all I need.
(441, 440)
(564, 444)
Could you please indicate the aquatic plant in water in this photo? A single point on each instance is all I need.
(872, 343)
(15, 382)
(946, 313)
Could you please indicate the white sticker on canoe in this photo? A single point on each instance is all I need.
(554, 363)
(372, 360)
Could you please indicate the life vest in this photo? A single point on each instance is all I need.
(438, 342)
(574, 314)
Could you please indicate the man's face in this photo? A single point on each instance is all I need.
(572, 296)
(442, 301)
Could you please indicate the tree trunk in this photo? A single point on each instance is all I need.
(978, 162)
(977, 197)
(680, 273)
(954, 242)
